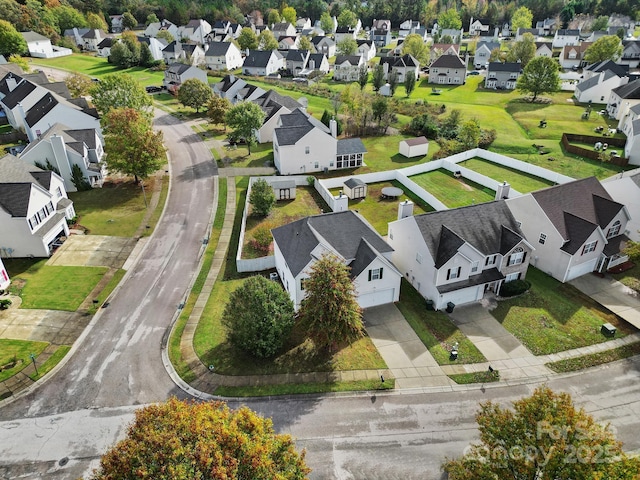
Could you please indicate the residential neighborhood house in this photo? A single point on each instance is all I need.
(448, 70)
(223, 56)
(177, 73)
(262, 63)
(503, 76)
(576, 228)
(456, 256)
(348, 237)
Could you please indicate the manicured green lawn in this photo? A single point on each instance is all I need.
(116, 209)
(520, 181)
(378, 211)
(18, 352)
(435, 329)
(58, 288)
(382, 154)
(451, 191)
(630, 278)
(306, 203)
(98, 67)
(552, 317)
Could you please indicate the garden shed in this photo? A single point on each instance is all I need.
(414, 147)
(284, 189)
(355, 188)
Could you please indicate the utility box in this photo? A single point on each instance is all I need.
(450, 307)
(608, 330)
(429, 304)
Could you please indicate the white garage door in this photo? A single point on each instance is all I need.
(460, 297)
(379, 297)
(582, 269)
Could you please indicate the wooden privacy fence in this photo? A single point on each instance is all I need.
(567, 138)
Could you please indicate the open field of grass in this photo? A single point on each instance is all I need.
(15, 355)
(435, 329)
(382, 154)
(378, 211)
(116, 209)
(453, 192)
(97, 67)
(520, 181)
(306, 203)
(552, 317)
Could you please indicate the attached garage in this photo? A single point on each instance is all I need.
(460, 297)
(379, 297)
(581, 269)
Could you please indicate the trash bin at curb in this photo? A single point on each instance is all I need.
(450, 307)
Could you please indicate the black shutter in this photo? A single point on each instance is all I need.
(380, 273)
(524, 257)
(459, 270)
(448, 274)
(369, 275)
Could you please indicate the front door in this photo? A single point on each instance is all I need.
(285, 194)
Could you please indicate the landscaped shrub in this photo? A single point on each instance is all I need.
(262, 239)
(5, 303)
(516, 287)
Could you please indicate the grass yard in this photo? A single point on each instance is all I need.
(630, 278)
(379, 212)
(435, 329)
(298, 356)
(15, 355)
(97, 67)
(307, 202)
(107, 290)
(451, 191)
(522, 182)
(552, 317)
(382, 154)
(50, 287)
(116, 209)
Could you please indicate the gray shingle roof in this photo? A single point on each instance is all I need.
(629, 91)
(34, 37)
(16, 180)
(350, 145)
(353, 182)
(486, 276)
(619, 70)
(218, 49)
(577, 208)
(40, 109)
(257, 58)
(350, 59)
(343, 231)
(178, 68)
(448, 61)
(488, 227)
(512, 67)
(587, 84)
(18, 94)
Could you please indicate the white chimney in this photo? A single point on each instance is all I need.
(333, 126)
(340, 203)
(11, 83)
(405, 209)
(502, 192)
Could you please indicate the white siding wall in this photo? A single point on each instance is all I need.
(390, 280)
(322, 151)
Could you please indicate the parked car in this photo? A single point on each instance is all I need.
(153, 89)
(474, 72)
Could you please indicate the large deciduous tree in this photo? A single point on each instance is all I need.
(289, 15)
(523, 50)
(259, 317)
(96, 21)
(377, 79)
(78, 84)
(347, 19)
(415, 46)
(522, 18)
(539, 76)
(217, 109)
(543, 437)
(194, 93)
(129, 21)
(304, 43)
(262, 198)
(608, 47)
(184, 440)
(329, 312)
(245, 119)
(449, 18)
(11, 42)
(347, 46)
(132, 146)
(326, 23)
(120, 91)
(247, 40)
(266, 40)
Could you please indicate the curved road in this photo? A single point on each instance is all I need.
(60, 430)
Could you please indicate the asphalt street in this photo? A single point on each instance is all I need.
(60, 429)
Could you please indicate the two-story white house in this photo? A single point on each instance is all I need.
(622, 98)
(195, 31)
(544, 49)
(223, 56)
(324, 45)
(483, 53)
(477, 25)
(40, 46)
(576, 228)
(154, 28)
(503, 76)
(178, 73)
(348, 237)
(367, 49)
(34, 209)
(62, 148)
(566, 36)
(347, 68)
(631, 128)
(599, 79)
(274, 105)
(630, 53)
(456, 256)
(302, 144)
(448, 70)
(401, 66)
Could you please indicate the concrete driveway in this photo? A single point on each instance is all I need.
(503, 351)
(93, 251)
(406, 356)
